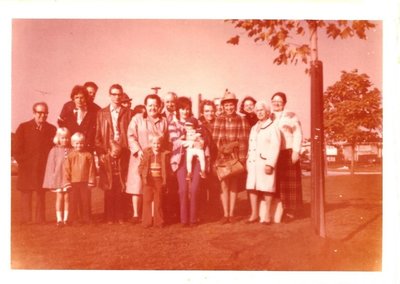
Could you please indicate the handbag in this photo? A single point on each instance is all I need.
(229, 168)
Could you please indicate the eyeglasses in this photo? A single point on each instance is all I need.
(277, 102)
(42, 112)
(116, 94)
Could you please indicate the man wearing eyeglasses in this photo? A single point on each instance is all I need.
(33, 141)
(112, 125)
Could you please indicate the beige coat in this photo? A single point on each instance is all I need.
(264, 146)
(139, 131)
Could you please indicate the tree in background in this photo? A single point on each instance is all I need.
(295, 40)
(353, 111)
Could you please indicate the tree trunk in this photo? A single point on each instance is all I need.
(317, 141)
(314, 45)
(353, 147)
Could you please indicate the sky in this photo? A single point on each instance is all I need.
(187, 56)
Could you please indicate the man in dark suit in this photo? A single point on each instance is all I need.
(69, 106)
(112, 124)
(81, 118)
(33, 141)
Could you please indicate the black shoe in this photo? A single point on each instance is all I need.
(252, 221)
(135, 220)
(266, 223)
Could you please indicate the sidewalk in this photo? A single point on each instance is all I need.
(342, 173)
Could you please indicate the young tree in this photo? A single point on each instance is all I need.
(353, 111)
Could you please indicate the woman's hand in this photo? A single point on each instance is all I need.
(138, 154)
(295, 157)
(268, 170)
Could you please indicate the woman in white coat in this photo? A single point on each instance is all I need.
(264, 146)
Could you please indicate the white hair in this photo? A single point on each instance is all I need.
(77, 137)
(263, 104)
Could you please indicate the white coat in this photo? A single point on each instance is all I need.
(264, 146)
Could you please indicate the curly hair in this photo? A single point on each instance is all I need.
(78, 89)
(247, 98)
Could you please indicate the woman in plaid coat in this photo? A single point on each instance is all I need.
(228, 128)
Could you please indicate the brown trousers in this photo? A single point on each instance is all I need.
(153, 191)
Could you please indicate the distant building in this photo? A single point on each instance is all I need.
(341, 152)
(365, 152)
(331, 153)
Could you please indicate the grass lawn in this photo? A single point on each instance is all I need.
(353, 243)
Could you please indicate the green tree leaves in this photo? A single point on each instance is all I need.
(353, 110)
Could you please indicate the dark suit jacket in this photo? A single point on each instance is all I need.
(87, 126)
(70, 106)
(30, 149)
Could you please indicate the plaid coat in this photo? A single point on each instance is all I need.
(231, 129)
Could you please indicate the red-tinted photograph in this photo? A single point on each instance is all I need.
(196, 144)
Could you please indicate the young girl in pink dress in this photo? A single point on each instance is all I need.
(53, 178)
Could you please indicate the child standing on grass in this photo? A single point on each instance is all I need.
(79, 176)
(53, 178)
(112, 181)
(153, 169)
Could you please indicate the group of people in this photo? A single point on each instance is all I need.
(156, 163)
